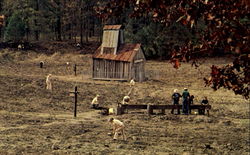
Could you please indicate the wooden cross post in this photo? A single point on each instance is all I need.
(75, 69)
(75, 94)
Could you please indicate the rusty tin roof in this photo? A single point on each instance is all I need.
(112, 27)
(125, 52)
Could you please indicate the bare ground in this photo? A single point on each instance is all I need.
(36, 121)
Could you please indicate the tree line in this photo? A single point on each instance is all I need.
(34, 20)
(80, 21)
(179, 30)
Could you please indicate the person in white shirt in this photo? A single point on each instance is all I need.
(95, 102)
(118, 127)
(131, 83)
(48, 82)
(125, 100)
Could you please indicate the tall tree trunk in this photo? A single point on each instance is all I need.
(59, 21)
(70, 32)
(81, 26)
(59, 27)
(81, 33)
(86, 31)
(27, 32)
(35, 21)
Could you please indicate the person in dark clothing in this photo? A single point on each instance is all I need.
(185, 98)
(190, 102)
(176, 97)
(203, 102)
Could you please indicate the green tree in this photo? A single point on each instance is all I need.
(15, 30)
(158, 40)
(225, 30)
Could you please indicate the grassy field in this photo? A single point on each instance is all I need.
(34, 120)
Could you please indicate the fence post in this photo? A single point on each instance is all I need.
(75, 94)
(41, 64)
(75, 69)
(163, 111)
(149, 109)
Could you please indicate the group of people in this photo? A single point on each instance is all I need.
(118, 126)
(125, 100)
(187, 100)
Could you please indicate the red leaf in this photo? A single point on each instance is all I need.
(176, 63)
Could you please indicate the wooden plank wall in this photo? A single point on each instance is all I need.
(110, 39)
(108, 69)
(138, 69)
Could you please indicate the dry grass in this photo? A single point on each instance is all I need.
(36, 121)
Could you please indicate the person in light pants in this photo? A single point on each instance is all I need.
(48, 82)
(118, 127)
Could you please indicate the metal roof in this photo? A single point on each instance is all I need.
(125, 52)
(112, 27)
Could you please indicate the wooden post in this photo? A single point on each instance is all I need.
(41, 64)
(149, 109)
(75, 102)
(75, 69)
(163, 111)
(118, 110)
(75, 94)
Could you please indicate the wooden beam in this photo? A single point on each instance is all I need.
(150, 108)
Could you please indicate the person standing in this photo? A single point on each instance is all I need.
(185, 99)
(176, 97)
(118, 127)
(203, 102)
(190, 102)
(48, 82)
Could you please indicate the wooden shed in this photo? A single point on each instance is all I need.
(116, 60)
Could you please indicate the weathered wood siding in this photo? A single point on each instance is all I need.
(120, 70)
(110, 39)
(108, 69)
(138, 66)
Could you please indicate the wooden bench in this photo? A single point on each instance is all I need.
(150, 108)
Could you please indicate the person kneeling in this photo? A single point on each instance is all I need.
(95, 102)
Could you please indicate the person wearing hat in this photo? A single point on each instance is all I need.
(95, 103)
(118, 127)
(185, 99)
(176, 97)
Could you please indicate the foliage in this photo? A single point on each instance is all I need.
(226, 30)
(157, 39)
(54, 19)
(15, 30)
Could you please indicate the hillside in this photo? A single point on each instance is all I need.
(34, 120)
